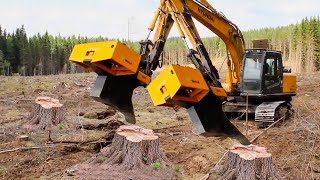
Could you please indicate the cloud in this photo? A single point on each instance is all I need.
(111, 18)
(260, 13)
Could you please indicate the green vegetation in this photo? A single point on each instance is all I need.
(101, 159)
(177, 168)
(104, 158)
(4, 64)
(61, 125)
(44, 54)
(156, 165)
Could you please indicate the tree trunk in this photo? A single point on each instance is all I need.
(134, 154)
(47, 113)
(246, 163)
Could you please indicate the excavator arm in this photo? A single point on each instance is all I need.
(120, 70)
(223, 28)
(182, 12)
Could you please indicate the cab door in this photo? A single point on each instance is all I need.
(272, 73)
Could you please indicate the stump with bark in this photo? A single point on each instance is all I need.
(47, 114)
(134, 154)
(246, 163)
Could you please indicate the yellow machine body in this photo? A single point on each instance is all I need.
(289, 83)
(220, 92)
(179, 84)
(121, 70)
(113, 57)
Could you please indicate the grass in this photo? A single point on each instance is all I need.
(104, 158)
(92, 115)
(19, 84)
(156, 165)
(101, 159)
(61, 125)
(177, 168)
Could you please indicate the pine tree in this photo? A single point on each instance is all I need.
(315, 33)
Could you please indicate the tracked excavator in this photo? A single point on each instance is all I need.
(254, 73)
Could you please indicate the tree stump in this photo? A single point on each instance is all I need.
(134, 154)
(246, 163)
(47, 113)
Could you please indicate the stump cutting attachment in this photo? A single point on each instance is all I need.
(116, 91)
(118, 75)
(120, 70)
(184, 86)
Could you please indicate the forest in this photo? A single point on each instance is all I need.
(299, 43)
(45, 54)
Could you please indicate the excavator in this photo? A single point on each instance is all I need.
(255, 75)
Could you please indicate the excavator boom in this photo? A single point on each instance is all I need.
(120, 70)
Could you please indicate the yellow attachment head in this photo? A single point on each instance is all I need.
(177, 84)
(113, 57)
(217, 91)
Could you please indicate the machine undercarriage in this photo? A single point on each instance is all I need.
(265, 112)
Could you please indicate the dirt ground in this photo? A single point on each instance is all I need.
(294, 144)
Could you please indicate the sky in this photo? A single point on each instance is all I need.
(111, 18)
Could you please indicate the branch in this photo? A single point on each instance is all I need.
(52, 146)
(265, 130)
(310, 158)
(26, 148)
(81, 142)
(165, 128)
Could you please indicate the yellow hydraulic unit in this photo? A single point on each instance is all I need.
(177, 84)
(113, 57)
(118, 72)
(289, 83)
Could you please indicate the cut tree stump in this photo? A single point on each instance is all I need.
(47, 114)
(134, 154)
(246, 163)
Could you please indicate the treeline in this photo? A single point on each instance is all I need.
(44, 54)
(299, 43)
(41, 54)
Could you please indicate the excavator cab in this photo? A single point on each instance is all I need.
(265, 86)
(262, 72)
(272, 73)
